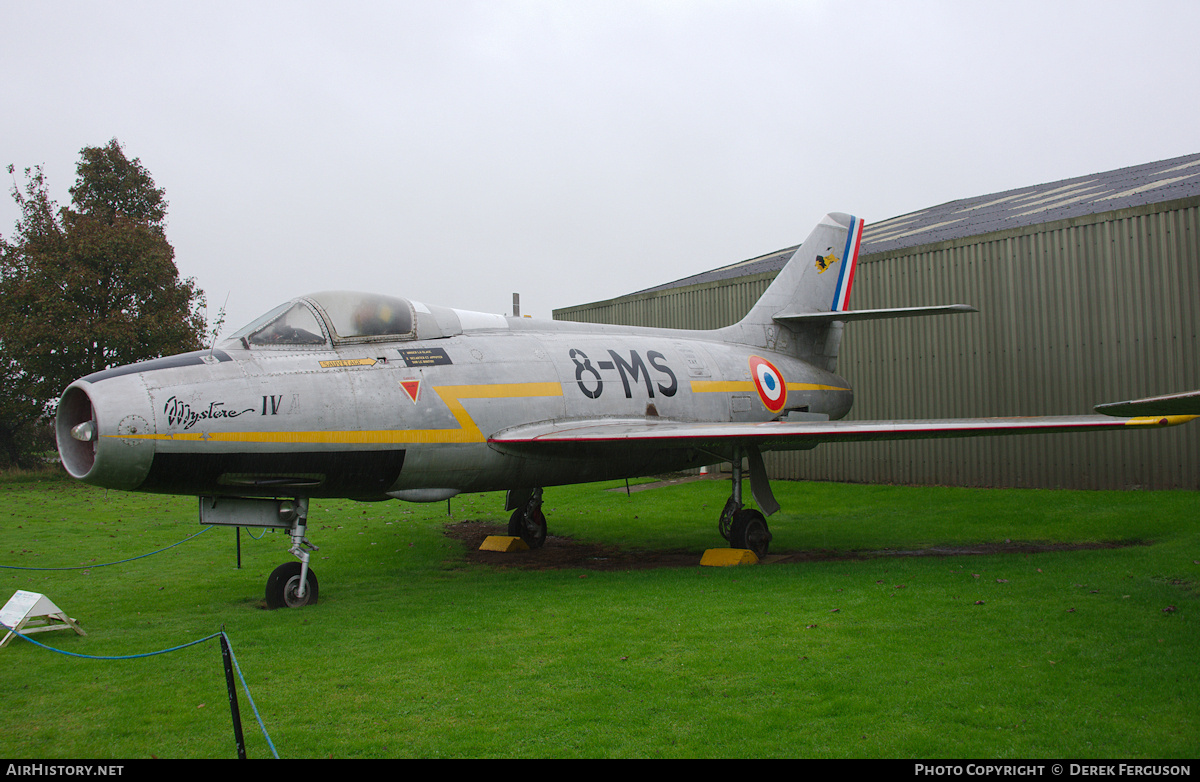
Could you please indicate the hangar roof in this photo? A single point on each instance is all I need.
(1149, 183)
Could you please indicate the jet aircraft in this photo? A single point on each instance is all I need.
(375, 397)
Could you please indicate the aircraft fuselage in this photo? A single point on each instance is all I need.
(412, 419)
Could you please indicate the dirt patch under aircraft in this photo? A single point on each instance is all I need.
(565, 553)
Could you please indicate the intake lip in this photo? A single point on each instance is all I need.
(75, 411)
(105, 432)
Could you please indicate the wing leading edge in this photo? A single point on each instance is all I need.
(798, 435)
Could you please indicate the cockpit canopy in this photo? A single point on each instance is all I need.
(340, 317)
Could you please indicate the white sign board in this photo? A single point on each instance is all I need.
(31, 612)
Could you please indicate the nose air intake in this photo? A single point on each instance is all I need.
(105, 432)
(77, 432)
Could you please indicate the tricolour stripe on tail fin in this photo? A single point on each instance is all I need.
(841, 293)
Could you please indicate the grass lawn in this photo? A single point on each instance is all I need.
(414, 651)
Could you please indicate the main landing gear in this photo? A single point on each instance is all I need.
(527, 521)
(745, 527)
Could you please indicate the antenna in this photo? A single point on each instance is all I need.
(216, 329)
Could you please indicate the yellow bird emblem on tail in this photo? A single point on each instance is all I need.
(827, 260)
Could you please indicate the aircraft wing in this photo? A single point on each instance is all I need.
(564, 436)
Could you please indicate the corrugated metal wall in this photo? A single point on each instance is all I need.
(706, 306)
(1093, 309)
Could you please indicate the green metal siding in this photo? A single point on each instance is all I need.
(1093, 309)
(707, 306)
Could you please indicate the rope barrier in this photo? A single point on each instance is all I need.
(226, 645)
(221, 635)
(106, 564)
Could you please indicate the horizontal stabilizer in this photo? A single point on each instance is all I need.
(1187, 403)
(893, 312)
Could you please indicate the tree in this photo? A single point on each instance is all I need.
(110, 187)
(87, 287)
(21, 436)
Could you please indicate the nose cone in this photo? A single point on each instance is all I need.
(105, 432)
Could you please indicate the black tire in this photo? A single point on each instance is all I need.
(284, 583)
(749, 530)
(726, 521)
(529, 527)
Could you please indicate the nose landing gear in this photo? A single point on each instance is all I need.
(292, 584)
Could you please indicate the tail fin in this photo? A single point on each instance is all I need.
(816, 279)
(803, 311)
(819, 275)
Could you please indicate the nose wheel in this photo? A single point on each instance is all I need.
(283, 587)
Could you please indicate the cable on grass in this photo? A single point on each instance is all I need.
(106, 564)
(228, 645)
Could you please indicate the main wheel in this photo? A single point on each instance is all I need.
(283, 587)
(726, 521)
(529, 527)
(749, 530)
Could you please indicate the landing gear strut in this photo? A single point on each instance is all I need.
(293, 584)
(745, 527)
(527, 521)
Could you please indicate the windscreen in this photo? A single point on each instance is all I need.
(294, 323)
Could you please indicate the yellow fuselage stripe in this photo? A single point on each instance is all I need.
(468, 431)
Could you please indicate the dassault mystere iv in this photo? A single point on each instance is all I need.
(370, 397)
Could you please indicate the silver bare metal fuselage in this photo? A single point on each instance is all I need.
(412, 419)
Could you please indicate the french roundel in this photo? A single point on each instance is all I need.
(772, 389)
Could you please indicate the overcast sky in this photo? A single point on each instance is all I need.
(455, 151)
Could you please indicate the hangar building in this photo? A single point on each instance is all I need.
(1088, 291)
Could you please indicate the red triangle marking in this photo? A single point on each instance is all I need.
(412, 388)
